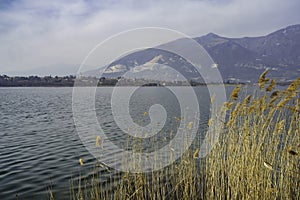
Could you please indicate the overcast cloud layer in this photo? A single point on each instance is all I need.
(59, 33)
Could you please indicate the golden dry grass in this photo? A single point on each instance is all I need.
(256, 157)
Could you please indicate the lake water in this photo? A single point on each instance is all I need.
(39, 144)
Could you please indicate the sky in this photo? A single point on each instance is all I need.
(40, 37)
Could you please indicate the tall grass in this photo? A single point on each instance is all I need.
(257, 156)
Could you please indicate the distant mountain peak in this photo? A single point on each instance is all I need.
(213, 35)
(211, 39)
(241, 59)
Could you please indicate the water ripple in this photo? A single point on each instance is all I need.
(39, 144)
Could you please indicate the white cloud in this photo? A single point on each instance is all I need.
(44, 33)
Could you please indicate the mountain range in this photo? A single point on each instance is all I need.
(238, 59)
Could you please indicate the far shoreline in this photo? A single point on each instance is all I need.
(70, 81)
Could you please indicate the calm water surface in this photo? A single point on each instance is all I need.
(39, 145)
